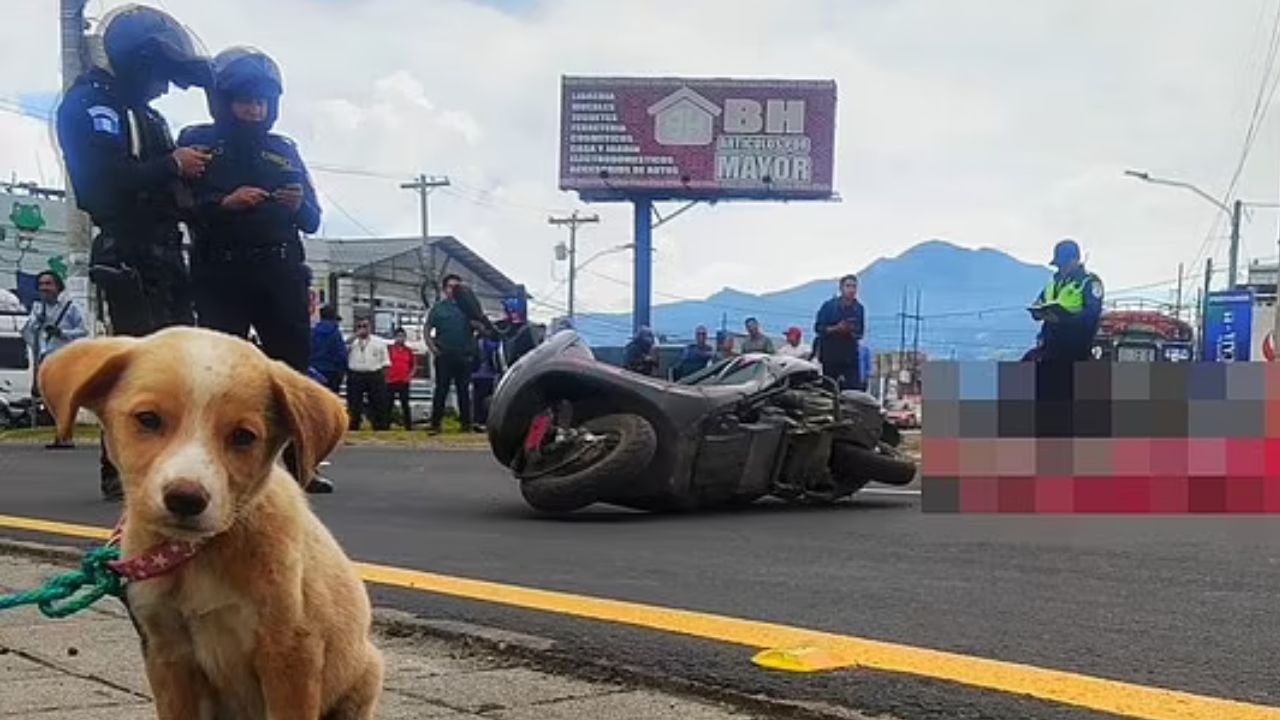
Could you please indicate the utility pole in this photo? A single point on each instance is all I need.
(1204, 307)
(573, 221)
(915, 342)
(1275, 330)
(74, 57)
(423, 185)
(1237, 208)
(902, 342)
(1177, 307)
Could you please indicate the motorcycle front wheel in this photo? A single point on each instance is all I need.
(629, 443)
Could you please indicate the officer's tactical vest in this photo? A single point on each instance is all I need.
(1069, 294)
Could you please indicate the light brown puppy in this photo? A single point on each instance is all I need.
(269, 619)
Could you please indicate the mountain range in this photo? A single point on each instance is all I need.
(971, 303)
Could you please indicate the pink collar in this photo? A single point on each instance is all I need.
(159, 560)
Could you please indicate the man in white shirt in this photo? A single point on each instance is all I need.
(792, 347)
(367, 363)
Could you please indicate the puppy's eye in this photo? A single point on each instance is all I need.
(243, 438)
(148, 420)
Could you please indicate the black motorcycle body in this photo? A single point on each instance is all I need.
(576, 431)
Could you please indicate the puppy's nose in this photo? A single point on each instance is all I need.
(186, 499)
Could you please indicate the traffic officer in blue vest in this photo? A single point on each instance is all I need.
(128, 176)
(1070, 306)
(248, 266)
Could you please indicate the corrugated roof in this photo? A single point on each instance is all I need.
(390, 259)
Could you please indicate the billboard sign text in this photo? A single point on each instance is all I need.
(1228, 326)
(673, 138)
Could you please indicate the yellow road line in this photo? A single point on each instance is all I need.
(1092, 693)
(54, 528)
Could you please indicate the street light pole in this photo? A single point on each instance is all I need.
(1233, 214)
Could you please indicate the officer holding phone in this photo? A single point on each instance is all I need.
(129, 177)
(248, 265)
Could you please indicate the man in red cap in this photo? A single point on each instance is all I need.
(793, 348)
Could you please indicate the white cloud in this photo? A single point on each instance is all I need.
(995, 122)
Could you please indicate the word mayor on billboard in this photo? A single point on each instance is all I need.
(682, 138)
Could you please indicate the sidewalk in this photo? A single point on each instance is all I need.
(89, 667)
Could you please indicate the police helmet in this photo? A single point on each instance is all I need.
(245, 72)
(146, 46)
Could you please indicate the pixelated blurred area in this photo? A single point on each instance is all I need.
(1096, 437)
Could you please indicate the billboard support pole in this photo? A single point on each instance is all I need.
(640, 315)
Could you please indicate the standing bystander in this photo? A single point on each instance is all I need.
(864, 367)
(483, 380)
(696, 356)
(328, 349)
(451, 340)
(792, 347)
(404, 365)
(641, 354)
(840, 325)
(367, 362)
(54, 322)
(756, 341)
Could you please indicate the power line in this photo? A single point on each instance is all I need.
(329, 169)
(1261, 105)
(346, 214)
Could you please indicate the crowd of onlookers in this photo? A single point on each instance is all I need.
(466, 359)
(378, 375)
(839, 327)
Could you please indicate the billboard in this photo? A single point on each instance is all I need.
(683, 138)
(1228, 326)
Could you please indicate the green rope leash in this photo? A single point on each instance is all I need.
(93, 573)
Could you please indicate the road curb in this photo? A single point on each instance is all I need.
(535, 651)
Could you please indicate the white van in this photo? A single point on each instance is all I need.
(15, 357)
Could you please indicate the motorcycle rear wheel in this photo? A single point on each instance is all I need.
(632, 443)
(854, 465)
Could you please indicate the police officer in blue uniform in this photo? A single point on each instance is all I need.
(1073, 300)
(128, 176)
(248, 264)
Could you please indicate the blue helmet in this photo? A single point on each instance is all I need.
(513, 308)
(148, 49)
(245, 72)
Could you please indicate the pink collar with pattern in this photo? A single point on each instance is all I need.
(159, 560)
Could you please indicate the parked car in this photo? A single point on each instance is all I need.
(903, 415)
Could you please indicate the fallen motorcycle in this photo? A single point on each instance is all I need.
(575, 431)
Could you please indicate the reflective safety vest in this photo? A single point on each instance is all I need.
(1069, 294)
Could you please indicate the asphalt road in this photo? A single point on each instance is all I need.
(1187, 603)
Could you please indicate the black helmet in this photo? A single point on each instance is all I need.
(147, 47)
(245, 72)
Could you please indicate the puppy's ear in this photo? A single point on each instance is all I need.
(315, 419)
(82, 375)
